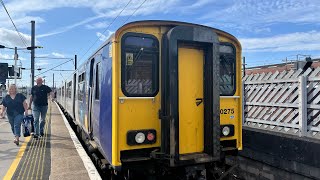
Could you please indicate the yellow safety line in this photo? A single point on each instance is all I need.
(16, 161)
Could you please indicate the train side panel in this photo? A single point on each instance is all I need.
(102, 110)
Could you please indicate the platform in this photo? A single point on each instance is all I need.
(56, 155)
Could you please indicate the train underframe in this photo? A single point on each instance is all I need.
(156, 170)
(152, 168)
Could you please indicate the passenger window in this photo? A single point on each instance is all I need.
(227, 69)
(140, 65)
(97, 93)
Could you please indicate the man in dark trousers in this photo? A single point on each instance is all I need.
(39, 97)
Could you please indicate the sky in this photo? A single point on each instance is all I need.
(269, 31)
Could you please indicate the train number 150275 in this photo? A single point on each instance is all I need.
(227, 111)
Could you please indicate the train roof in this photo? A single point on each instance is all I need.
(159, 23)
(171, 23)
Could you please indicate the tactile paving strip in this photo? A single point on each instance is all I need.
(36, 161)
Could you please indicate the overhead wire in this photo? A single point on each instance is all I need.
(47, 57)
(54, 67)
(135, 11)
(21, 37)
(8, 59)
(114, 19)
(100, 35)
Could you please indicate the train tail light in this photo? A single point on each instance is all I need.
(139, 137)
(150, 136)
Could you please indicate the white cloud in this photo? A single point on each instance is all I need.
(19, 9)
(255, 14)
(67, 28)
(11, 38)
(199, 4)
(103, 37)
(42, 55)
(40, 63)
(6, 56)
(298, 41)
(58, 55)
(97, 25)
(9, 57)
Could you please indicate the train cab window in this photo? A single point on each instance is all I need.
(227, 69)
(139, 65)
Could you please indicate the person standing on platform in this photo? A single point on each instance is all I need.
(15, 104)
(39, 97)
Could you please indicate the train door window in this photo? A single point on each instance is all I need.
(91, 72)
(69, 89)
(63, 91)
(97, 85)
(227, 69)
(80, 92)
(81, 83)
(139, 65)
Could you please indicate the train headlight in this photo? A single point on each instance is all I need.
(140, 137)
(226, 131)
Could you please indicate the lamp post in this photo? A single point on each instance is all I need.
(15, 64)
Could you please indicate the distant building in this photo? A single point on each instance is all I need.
(313, 63)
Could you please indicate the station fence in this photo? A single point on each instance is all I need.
(287, 101)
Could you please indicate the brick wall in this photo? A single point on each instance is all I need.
(250, 169)
(277, 67)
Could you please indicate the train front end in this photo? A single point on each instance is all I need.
(166, 97)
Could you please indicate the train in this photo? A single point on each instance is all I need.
(164, 97)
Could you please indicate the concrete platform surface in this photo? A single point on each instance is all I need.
(54, 156)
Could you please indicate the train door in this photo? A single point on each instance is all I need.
(190, 83)
(95, 104)
(190, 95)
(90, 97)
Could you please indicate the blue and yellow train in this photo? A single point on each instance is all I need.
(161, 95)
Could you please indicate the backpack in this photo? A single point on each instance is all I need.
(27, 125)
